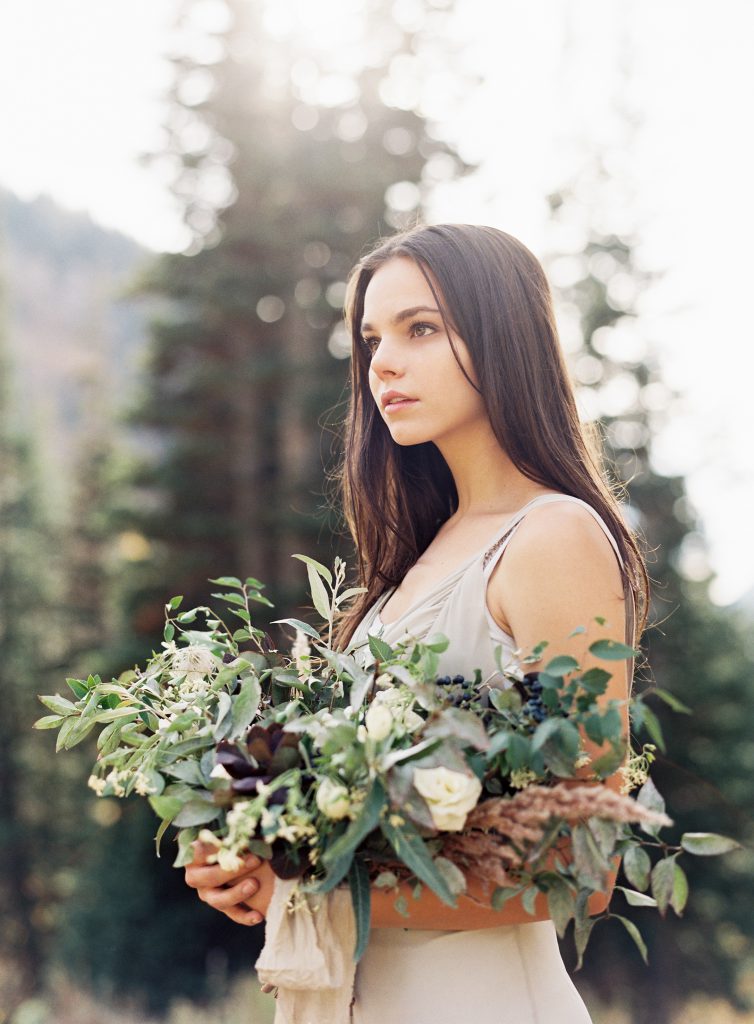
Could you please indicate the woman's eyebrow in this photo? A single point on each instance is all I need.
(405, 314)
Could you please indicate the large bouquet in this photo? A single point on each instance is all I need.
(369, 768)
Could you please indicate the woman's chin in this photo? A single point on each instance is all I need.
(405, 436)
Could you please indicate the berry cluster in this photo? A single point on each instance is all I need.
(534, 707)
(456, 690)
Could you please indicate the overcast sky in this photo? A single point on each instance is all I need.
(81, 86)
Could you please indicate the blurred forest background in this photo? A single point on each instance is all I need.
(167, 419)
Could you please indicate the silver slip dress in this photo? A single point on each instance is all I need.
(512, 974)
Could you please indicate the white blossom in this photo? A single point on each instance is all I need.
(98, 785)
(450, 795)
(333, 800)
(378, 721)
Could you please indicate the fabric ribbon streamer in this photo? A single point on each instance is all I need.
(308, 954)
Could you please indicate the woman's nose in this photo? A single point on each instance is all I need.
(387, 360)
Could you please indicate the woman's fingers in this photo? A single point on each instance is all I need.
(231, 895)
(210, 876)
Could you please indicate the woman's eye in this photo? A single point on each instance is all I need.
(371, 344)
(421, 329)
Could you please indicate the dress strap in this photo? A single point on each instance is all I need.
(494, 553)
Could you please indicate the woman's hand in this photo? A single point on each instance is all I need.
(242, 895)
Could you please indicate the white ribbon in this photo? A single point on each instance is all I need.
(308, 955)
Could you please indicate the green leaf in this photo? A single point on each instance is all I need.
(708, 844)
(236, 599)
(165, 807)
(175, 603)
(359, 828)
(652, 724)
(589, 863)
(320, 598)
(502, 894)
(437, 642)
(242, 614)
(380, 650)
(637, 899)
(223, 714)
(454, 877)
(635, 934)
(560, 905)
(298, 624)
(411, 849)
(312, 563)
(187, 617)
(680, 890)
(59, 705)
(49, 722)
(611, 650)
(182, 722)
(245, 707)
(196, 812)
(358, 879)
(164, 826)
(529, 899)
(228, 581)
(461, 725)
(79, 687)
(670, 699)
(607, 763)
(663, 876)
(185, 855)
(649, 797)
(637, 867)
(241, 634)
(595, 680)
(168, 632)
(81, 729)
(581, 931)
(561, 666)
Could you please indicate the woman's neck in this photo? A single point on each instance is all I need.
(487, 481)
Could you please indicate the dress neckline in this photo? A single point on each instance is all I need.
(500, 532)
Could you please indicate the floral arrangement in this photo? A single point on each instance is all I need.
(369, 768)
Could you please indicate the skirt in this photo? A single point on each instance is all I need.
(508, 975)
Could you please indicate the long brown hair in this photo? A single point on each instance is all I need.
(493, 292)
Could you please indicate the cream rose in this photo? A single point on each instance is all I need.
(450, 795)
(333, 799)
(378, 720)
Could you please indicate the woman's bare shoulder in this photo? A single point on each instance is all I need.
(559, 569)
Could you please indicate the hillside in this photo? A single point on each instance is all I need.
(75, 341)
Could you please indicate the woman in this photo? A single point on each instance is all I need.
(464, 444)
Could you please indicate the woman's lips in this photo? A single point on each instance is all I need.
(397, 405)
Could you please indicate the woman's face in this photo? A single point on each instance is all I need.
(420, 390)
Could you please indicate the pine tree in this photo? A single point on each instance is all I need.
(242, 368)
(23, 649)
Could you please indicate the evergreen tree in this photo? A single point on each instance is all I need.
(693, 649)
(243, 366)
(24, 649)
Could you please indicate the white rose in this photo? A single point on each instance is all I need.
(194, 659)
(449, 795)
(333, 800)
(378, 720)
(400, 708)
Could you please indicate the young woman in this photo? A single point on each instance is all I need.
(463, 446)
